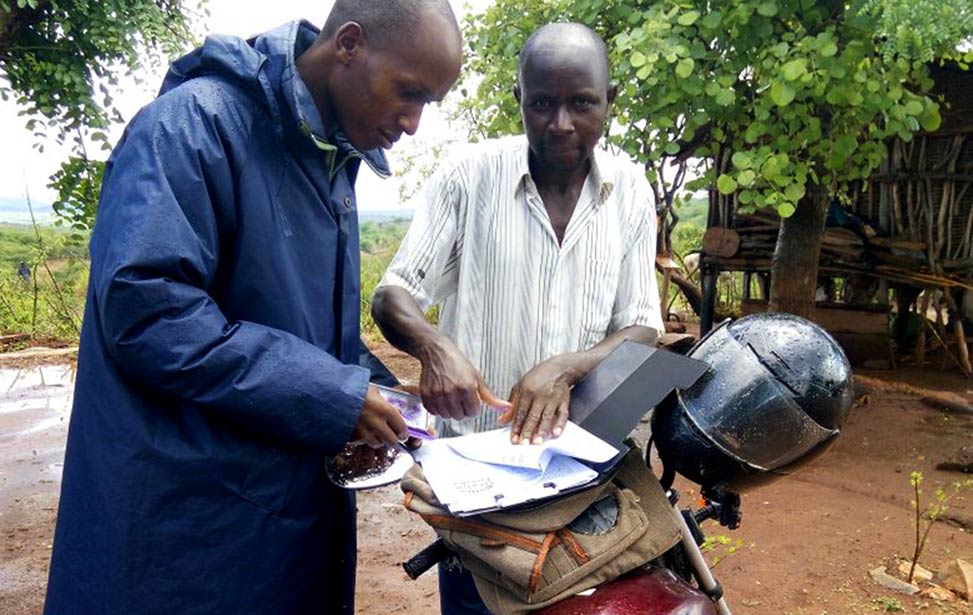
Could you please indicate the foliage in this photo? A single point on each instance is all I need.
(49, 301)
(720, 547)
(61, 60)
(688, 234)
(801, 91)
(888, 605)
(927, 515)
(379, 242)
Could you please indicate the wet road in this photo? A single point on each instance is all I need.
(35, 404)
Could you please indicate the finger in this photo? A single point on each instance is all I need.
(531, 421)
(470, 403)
(433, 401)
(396, 424)
(546, 423)
(487, 397)
(523, 406)
(563, 412)
(508, 416)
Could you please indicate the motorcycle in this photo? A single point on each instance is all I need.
(774, 395)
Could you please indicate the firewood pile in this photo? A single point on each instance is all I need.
(843, 252)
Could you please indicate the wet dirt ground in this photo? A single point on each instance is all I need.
(805, 547)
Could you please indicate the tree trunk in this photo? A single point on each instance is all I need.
(689, 290)
(794, 271)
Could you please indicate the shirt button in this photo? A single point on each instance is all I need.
(347, 201)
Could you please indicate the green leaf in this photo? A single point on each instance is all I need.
(828, 49)
(712, 20)
(726, 97)
(930, 120)
(741, 160)
(781, 93)
(726, 184)
(767, 9)
(795, 192)
(786, 210)
(794, 69)
(672, 149)
(745, 178)
(638, 59)
(685, 67)
(688, 18)
(913, 107)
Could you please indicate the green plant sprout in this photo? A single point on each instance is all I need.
(722, 547)
(928, 515)
(888, 605)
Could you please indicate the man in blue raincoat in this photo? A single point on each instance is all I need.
(219, 358)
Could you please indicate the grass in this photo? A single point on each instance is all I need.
(47, 300)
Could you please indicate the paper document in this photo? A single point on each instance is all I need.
(495, 447)
(466, 485)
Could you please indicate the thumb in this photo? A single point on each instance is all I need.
(490, 399)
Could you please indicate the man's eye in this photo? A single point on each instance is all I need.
(541, 104)
(583, 103)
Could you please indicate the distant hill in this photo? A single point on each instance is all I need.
(382, 215)
(16, 211)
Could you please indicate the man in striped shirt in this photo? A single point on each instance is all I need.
(539, 252)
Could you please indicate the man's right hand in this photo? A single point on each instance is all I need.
(380, 423)
(450, 386)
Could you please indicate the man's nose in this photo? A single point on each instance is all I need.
(409, 121)
(562, 122)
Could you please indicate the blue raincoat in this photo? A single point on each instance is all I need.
(220, 352)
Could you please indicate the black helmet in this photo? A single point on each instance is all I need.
(776, 394)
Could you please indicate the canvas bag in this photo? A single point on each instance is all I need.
(528, 559)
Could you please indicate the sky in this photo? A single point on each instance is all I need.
(23, 168)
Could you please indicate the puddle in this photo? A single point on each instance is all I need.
(35, 405)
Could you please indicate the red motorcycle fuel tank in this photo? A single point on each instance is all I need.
(647, 592)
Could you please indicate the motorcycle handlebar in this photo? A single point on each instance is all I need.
(426, 559)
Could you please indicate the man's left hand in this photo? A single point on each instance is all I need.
(540, 401)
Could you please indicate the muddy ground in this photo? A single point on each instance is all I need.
(805, 547)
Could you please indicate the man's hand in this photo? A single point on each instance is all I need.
(540, 401)
(450, 386)
(380, 423)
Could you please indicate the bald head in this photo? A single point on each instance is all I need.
(564, 40)
(387, 22)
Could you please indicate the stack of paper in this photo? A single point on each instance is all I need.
(484, 471)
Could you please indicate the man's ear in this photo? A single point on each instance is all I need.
(612, 93)
(349, 41)
(516, 91)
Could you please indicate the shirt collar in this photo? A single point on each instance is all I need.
(600, 176)
(330, 139)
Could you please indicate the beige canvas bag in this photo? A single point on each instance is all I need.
(526, 560)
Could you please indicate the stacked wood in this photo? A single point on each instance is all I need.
(899, 259)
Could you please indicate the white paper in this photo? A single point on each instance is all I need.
(495, 447)
(466, 486)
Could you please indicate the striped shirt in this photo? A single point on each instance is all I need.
(482, 247)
